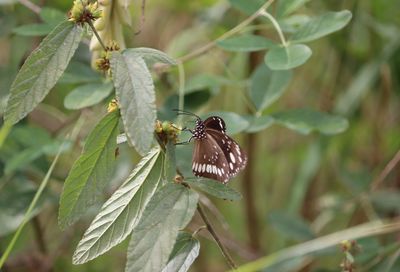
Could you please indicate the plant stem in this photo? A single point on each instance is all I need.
(181, 102)
(276, 25)
(388, 168)
(216, 238)
(33, 7)
(228, 34)
(90, 23)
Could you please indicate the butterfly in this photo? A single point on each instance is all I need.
(215, 155)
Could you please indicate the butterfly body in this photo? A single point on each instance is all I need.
(215, 155)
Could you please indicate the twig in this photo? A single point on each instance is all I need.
(385, 172)
(90, 23)
(142, 17)
(33, 7)
(216, 238)
(228, 34)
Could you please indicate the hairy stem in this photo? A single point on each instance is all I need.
(90, 23)
(210, 229)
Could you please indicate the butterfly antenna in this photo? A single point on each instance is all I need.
(182, 112)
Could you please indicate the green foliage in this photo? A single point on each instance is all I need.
(285, 7)
(246, 43)
(185, 251)
(214, 188)
(288, 57)
(170, 210)
(135, 89)
(91, 171)
(290, 226)
(41, 70)
(122, 211)
(87, 95)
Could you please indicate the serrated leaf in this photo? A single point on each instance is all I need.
(122, 211)
(90, 172)
(259, 123)
(307, 120)
(153, 239)
(214, 188)
(87, 95)
(33, 30)
(290, 226)
(322, 26)
(286, 7)
(151, 56)
(286, 58)
(267, 86)
(135, 91)
(41, 70)
(246, 43)
(234, 122)
(186, 250)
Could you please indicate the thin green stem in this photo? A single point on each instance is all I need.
(90, 23)
(181, 103)
(30, 208)
(276, 25)
(4, 131)
(211, 230)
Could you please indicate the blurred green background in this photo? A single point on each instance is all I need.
(296, 186)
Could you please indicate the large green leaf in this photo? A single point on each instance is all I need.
(290, 226)
(322, 26)
(307, 120)
(41, 70)
(91, 171)
(122, 210)
(186, 250)
(153, 239)
(258, 123)
(135, 91)
(285, 58)
(267, 86)
(246, 43)
(214, 188)
(87, 95)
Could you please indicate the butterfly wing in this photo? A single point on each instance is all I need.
(216, 123)
(235, 157)
(209, 160)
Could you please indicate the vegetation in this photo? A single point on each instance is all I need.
(88, 143)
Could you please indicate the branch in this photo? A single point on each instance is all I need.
(385, 172)
(228, 34)
(216, 238)
(33, 7)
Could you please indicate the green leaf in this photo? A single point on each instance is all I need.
(51, 16)
(33, 30)
(153, 239)
(322, 26)
(214, 188)
(202, 82)
(87, 95)
(267, 86)
(307, 120)
(285, 58)
(247, 6)
(290, 226)
(90, 172)
(122, 211)
(186, 250)
(286, 7)
(135, 90)
(259, 123)
(151, 56)
(41, 70)
(246, 43)
(234, 122)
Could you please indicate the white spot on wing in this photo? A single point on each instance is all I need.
(232, 157)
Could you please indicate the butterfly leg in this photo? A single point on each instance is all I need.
(185, 142)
